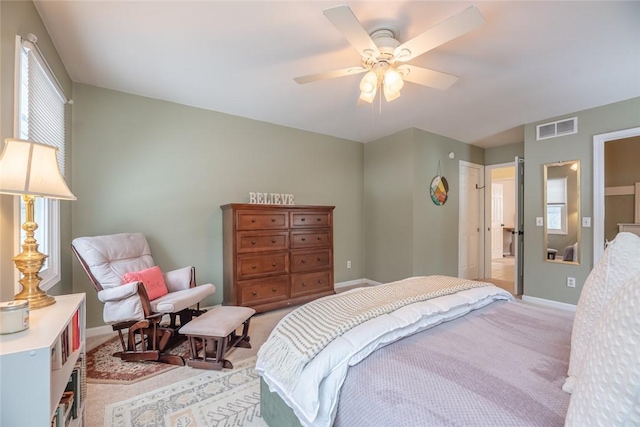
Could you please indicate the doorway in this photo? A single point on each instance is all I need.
(471, 220)
(599, 185)
(500, 191)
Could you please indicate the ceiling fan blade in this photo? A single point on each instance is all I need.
(346, 22)
(447, 30)
(330, 75)
(425, 77)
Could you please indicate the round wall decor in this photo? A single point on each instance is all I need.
(439, 190)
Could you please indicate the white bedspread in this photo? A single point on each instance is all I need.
(314, 395)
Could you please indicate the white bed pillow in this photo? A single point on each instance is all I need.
(607, 393)
(618, 264)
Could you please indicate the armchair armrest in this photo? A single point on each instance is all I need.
(180, 279)
(119, 292)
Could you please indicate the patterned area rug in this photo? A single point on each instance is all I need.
(103, 367)
(214, 398)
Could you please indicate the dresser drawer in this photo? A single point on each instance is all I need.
(262, 219)
(306, 219)
(310, 239)
(309, 283)
(258, 291)
(310, 260)
(256, 241)
(250, 265)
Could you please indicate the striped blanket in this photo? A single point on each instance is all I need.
(306, 331)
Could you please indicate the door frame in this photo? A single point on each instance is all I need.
(487, 213)
(480, 211)
(598, 184)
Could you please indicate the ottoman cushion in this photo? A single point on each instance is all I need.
(218, 322)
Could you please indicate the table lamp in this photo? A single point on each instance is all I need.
(30, 169)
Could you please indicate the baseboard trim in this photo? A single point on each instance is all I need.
(548, 303)
(348, 283)
(355, 282)
(98, 330)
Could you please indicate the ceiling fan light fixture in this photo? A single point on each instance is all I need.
(390, 95)
(369, 83)
(368, 96)
(393, 80)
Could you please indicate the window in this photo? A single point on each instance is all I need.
(40, 116)
(557, 206)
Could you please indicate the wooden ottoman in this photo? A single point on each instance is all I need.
(215, 331)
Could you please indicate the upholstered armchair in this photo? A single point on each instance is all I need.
(137, 295)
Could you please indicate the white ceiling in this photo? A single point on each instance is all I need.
(530, 61)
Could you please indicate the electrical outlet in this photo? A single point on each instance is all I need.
(539, 221)
(586, 221)
(571, 282)
(348, 264)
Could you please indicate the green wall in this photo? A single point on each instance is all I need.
(503, 154)
(405, 231)
(22, 18)
(388, 198)
(164, 169)
(544, 279)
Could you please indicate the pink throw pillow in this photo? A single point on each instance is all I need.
(152, 280)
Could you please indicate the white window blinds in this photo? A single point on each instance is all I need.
(45, 104)
(557, 191)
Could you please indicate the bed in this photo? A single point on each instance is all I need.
(471, 357)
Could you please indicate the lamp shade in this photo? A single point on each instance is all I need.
(28, 167)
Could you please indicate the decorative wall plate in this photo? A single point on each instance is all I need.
(439, 190)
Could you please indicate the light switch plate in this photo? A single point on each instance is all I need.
(586, 221)
(539, 221)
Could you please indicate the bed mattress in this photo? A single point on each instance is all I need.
(502, 365)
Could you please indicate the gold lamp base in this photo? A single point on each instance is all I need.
(29, 262)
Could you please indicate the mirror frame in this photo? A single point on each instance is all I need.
(578, 214)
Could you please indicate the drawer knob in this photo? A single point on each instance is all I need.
(274, 290)
(304, 261)
(319, 281)
(273, 220)
(253, 266)
(254, 293)
(304, 239)
(304, 284)
(302, 219)
(319, 238)
(273, 240)
(253, 220)
(253, 242)
(319, 259)
(318, 219)
(273, 264)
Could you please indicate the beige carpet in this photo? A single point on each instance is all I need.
(230, 397)
(99, 395)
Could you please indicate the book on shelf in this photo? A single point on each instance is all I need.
(73, 385)
(68, 342)
(56, 355)
(67, 400)
(75, 329)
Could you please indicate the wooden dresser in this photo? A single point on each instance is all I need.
(276, 256)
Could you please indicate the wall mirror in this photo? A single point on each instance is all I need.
(562, 212)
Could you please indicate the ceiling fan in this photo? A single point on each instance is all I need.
(384, 58)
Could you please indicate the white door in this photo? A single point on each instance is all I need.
(518, 233)
(469, 242)
(497, 220)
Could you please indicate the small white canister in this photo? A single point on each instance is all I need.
(14, 316)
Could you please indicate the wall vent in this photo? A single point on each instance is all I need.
(559, 128)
